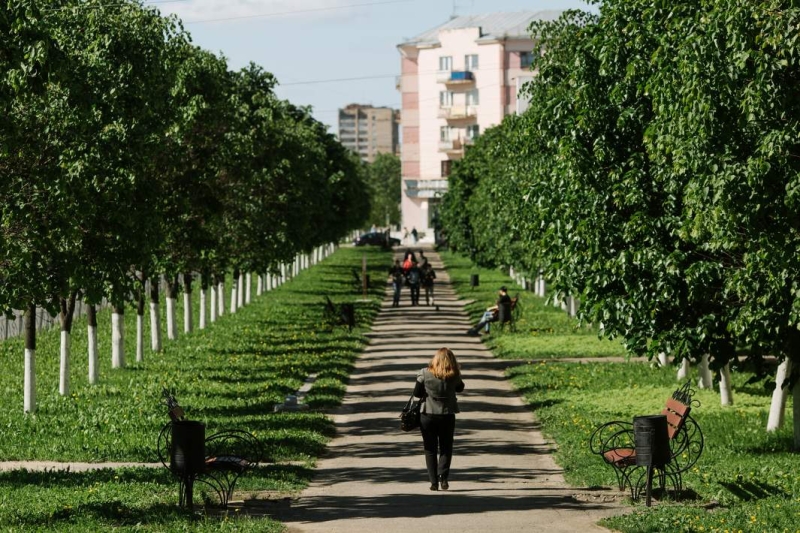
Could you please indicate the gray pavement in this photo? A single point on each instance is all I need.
(373, 478)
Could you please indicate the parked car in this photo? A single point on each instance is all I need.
(377, 239)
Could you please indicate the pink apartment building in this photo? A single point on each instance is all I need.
(456, 80)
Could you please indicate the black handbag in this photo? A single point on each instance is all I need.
(409, 417)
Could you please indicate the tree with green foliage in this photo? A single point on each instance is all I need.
(384, 179)
(193, 161)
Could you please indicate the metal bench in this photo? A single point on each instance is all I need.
(218, 461)
(339, 315)
(616, 443)
(358, 281)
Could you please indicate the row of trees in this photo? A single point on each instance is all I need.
(656, 175)
(127, 153)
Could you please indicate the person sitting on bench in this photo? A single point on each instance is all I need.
(492, 313)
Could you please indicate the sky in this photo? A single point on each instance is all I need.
(327, 53)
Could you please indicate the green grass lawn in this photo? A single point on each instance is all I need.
(745, 481)
(228, 376)
(542, 331)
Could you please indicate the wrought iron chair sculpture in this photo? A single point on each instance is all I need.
(614, 442)
(226, 456)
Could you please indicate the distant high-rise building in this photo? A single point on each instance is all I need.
(369, 131)
(457, 80)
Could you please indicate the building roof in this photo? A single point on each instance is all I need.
(492, 25)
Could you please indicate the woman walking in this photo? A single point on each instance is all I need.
(438, 383)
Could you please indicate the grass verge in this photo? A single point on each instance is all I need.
(542, 331)
(228, 375)
(746, 479)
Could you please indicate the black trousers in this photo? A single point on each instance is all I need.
(437, 438)
(414, 294)
(428, 294)
(396, 285)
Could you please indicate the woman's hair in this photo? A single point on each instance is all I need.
(444, 364)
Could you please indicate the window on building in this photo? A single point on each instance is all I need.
(471, 62)
(444, 133)
(446, 63)
(473, 131)
(525, 59)
(446, 98)
(447, 165)
(472, 97)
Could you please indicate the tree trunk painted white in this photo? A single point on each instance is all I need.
(283, 274)
(725, 390)
(221, 299)
(91, 328)
(93, 357)
(663, 360)
(260, 285)
(139, 338)
(233, 296)
(140, 326)
(704, 381)
(155, 315)
(572, 306)
(63, 378)
(203, 298)
(240, 291)
(779, 395)
(66, 314)
(214, 298)
(172, 329)
(248, 288)
(683, 370)
(118, 338)
(187, 312)
(155, 327)
(29, 400)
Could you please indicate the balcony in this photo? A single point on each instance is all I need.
(454, 147)
(425, 188)
(458, 112)
(455, 77)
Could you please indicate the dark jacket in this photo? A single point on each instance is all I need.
(441, 394)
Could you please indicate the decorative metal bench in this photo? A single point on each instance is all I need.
(669, 452)
(358, 281)
(217, 461)
(341, 315)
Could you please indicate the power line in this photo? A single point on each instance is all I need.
(333, 80)
(112, 4)
(292, 12)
